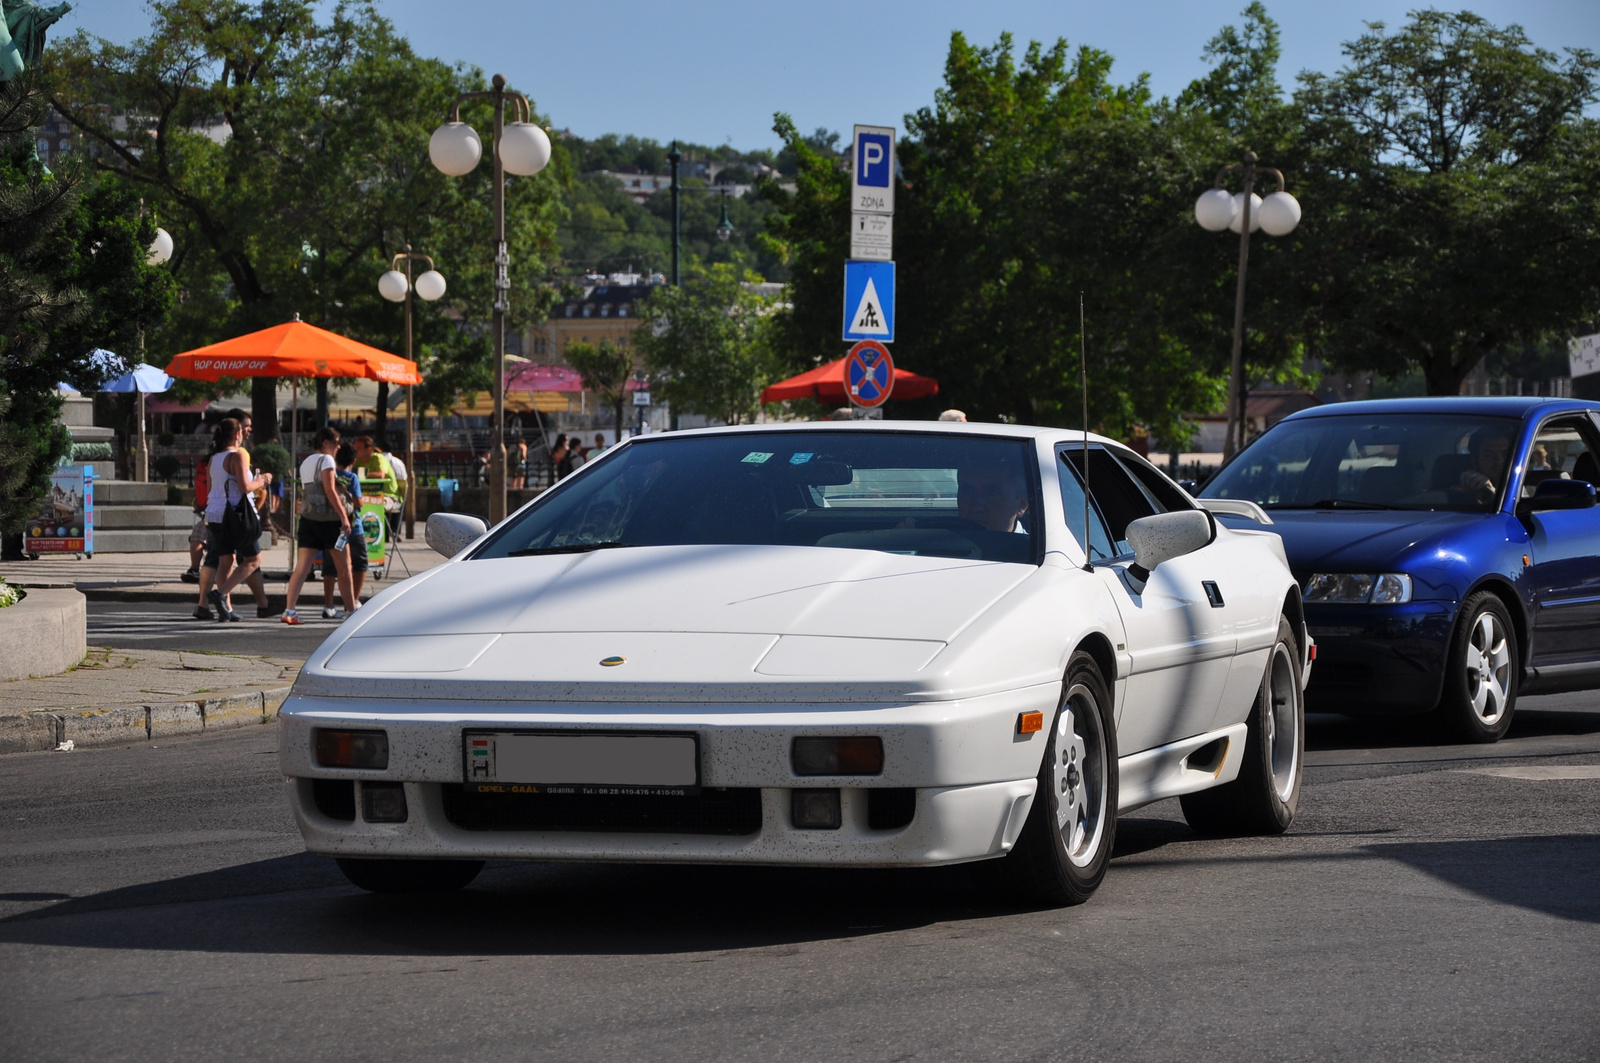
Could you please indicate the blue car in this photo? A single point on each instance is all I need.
(1448, 549)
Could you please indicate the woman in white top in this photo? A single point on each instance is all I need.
(230, 483)
(324, 523)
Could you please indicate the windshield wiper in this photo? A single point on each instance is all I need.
(569, 548)
(1336, 503)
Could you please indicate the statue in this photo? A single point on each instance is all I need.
(22, 34)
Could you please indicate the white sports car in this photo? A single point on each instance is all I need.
(870, 644)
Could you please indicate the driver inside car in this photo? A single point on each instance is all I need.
(1490, 449)
(991, 496)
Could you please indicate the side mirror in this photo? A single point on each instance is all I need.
(1558, 494)
(451, 533)
(1164, 536)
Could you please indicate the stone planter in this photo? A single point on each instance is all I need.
(44, 634)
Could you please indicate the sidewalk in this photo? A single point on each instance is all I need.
(121, 696)
(156, 577)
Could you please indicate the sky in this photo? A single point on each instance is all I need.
(714, 71)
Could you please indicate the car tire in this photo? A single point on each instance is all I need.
(409, 876)
(1264, 796)
(1061, 854)
(1481, 672)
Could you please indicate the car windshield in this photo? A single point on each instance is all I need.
(1361, 461)
(915, 493)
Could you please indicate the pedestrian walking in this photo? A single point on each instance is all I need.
(558, 455)
(345, 458)
(232, 521)
(222, 565)
(324, 521)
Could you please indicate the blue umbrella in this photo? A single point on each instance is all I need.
(143, 378)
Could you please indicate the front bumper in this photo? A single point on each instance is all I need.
(1379, 659)
(972, 775)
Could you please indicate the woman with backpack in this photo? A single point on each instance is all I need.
(324, 521)
(231, 518)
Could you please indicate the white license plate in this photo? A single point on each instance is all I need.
(582, 763)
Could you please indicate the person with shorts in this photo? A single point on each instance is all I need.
(230, 484)
(324, 521)
(345, 457)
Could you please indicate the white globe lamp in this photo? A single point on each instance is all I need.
(1238, 212)
(160, 248)
(524, 149)
(1214, 210)
(392, 286)
(455, 148)
(430, 286)
(1280, 213)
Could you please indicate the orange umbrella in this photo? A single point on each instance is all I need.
(294, 349)
(826, 384)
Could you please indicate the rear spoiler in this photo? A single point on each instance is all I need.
(1238, 507)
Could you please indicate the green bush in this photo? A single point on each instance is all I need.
(175, 495)
(273, 458)
(82, 452)
(167, 466)
(165, 439)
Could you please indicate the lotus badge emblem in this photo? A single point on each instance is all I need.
(612, 662)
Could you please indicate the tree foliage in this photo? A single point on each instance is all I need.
(1455, 198)
(707, 344)
(73, 278)
(606, 370)
(1025, 183)
(288, 156)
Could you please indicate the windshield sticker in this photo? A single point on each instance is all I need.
(801, 458)
(757, 457)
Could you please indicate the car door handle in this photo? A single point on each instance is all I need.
(1213, 593)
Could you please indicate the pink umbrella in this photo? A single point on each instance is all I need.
(530, 377)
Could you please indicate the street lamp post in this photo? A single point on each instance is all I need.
(520, 148)
(1244, 212)
(673, 158)
(397, 287)
(160, 251)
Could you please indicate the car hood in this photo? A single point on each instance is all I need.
(686, 621)
(1361, 540)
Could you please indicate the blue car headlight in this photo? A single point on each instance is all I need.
(1385, 588)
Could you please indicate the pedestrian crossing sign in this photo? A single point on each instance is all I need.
(869, 301)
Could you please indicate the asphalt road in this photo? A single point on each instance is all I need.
(1430, 903)
(160, 626)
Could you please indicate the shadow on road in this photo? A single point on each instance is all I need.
(1325, 731)
(301, 903)
(1557, 875)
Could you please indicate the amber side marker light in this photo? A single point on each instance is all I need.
(352, 749)
(1029, 722)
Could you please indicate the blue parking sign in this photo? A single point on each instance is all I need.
(872, 170)
(869, 301)
(873, 159)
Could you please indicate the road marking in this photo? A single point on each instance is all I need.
(1539, 772)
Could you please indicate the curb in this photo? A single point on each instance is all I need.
(122, 724)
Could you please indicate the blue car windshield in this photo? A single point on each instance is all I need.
(941, 495)
(1417, 461)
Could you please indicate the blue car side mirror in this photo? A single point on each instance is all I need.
(1558, 494)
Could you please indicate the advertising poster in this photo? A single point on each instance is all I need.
(65, 522)
(375, 526)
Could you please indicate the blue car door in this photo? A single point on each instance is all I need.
(1565, 550)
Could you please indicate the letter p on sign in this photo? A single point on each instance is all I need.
(872, 160)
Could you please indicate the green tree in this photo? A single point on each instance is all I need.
(707, 344)
(1026, 182)
(73, 278)
(606, 370)
(1455, 198)
(289, 158)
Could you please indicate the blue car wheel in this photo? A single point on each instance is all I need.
(1480, 682)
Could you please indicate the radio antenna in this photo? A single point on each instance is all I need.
(1083, 380)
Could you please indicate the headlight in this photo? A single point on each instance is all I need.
(1388, 588)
